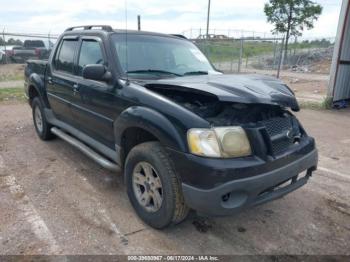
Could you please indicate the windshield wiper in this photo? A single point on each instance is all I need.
(153, 71)
(196, 73)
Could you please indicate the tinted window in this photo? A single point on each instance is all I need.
(65, 60)
(90, 53)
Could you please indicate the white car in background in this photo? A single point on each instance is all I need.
(7, 52)
(2, 56)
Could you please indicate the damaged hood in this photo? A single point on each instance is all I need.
(257, 89)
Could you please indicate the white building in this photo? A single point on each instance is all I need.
(339, 85)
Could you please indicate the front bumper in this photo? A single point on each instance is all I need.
(232, 196)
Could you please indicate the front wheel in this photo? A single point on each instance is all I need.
(153, 187)
(42, 127)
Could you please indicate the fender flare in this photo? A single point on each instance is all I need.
(152, 122)
(39, 85)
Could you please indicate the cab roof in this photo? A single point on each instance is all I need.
(106, 29)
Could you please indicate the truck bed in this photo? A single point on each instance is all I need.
(36, 66)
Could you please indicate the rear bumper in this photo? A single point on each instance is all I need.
(233, 196)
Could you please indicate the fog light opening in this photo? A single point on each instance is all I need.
(296, 141)
(234, 199)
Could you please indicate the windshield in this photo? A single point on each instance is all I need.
(157, 55)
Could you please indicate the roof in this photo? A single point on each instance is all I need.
(108, 30)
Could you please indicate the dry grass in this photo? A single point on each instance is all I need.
(11, 72)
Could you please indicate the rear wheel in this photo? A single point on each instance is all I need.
(42, 127)
(153, 186)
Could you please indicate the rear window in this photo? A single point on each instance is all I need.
(34, 43)
(65, 57)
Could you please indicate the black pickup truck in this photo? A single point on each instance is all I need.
(185, 135)
(31, 49)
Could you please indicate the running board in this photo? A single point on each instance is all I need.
(104, 162)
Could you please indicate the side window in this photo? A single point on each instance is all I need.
(65, 58)
(90, 53)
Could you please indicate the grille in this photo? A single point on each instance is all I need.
(280, 146)
(277, 125)
(277, 129)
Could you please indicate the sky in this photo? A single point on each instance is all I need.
(175, 16)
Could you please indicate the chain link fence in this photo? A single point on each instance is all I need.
(18, 47)
(248, 51)
(229, 50)
(242, 54)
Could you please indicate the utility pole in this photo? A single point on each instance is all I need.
(3, 37)
(49, 40)
(240, 56)
(139, 22)
(208, 19)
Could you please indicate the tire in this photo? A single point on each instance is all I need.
(172, 209)
(43, 130)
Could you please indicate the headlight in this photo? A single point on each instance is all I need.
(234, 141)
(203, 142)
(223, 142)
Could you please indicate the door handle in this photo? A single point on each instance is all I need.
(49, 80)
(76, 88)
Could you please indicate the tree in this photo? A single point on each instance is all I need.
(13, 41)
(291, 17)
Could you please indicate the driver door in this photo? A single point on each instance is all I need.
(95, 99)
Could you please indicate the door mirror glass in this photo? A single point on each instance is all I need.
(96, 72)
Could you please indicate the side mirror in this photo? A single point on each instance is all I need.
(96, 72)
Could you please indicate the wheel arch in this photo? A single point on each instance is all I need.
(32, 93)
(150, 125)
(36, 87)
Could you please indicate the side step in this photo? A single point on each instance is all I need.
(104, 162)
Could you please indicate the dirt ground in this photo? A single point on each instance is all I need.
(54, 200)
(307, 89)
(11, 70)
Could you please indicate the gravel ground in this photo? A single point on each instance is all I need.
(54, 200)
(11, 71)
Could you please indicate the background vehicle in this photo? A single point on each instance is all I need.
(30, 49)
(185, 135)
(7, 52)
(2, 56)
